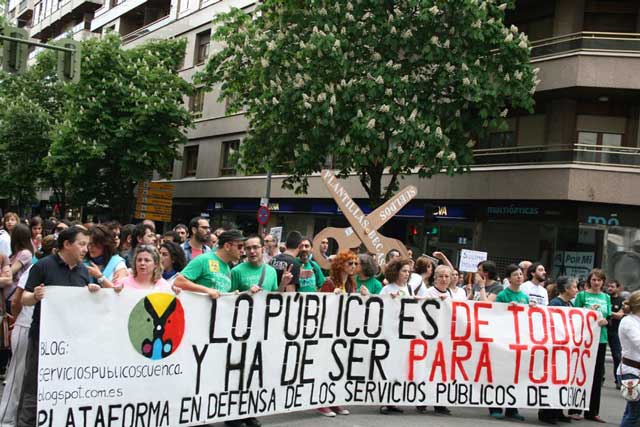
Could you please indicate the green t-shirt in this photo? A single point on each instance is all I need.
(587, 299)
(246, 275)
(507, 295)
(210, 271)
(372, 284)
(307, 280)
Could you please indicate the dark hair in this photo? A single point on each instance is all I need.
(21, 239)
(35, 222)
(304, 238)
(368, 265)
(114, 225)
(174, 236)
(138, 232)
(510, 269)
(125, 232)
(293, 240)
(614, 282)
(532, 269)
(390, 254)
(392, 270)
(70, 235)
(181, 226)
(489, 267)
(255, 236)
(102, 235)
(194, 223)
(178, 258)
(48, 227)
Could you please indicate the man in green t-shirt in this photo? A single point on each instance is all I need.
(311, 277)
(366, 274)
(210, 273)
(254, 275)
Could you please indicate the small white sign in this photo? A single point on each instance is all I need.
(276, 232)
(469, 259)
(264, 201)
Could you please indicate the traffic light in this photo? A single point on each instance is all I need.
(432, 231)
(14, 53)
(69, 62)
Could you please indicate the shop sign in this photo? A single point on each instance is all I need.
(574, 263)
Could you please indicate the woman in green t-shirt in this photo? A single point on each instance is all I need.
(595, 299)
(367, 275)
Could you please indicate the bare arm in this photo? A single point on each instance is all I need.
(187, 285)
(442, 257)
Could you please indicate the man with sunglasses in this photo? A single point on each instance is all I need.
(210, 273)
(254, 275)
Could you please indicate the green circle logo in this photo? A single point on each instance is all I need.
(156, 325)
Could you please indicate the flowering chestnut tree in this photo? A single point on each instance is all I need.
(384, 87)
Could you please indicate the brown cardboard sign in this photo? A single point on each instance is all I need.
(364, 228)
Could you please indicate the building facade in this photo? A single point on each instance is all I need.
(561, 185)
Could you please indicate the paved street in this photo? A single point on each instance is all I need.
(612, 407)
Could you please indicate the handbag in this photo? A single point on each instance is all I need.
(629, 383)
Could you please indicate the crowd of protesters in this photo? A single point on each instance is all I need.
(38, 253)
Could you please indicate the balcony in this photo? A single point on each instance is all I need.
(584, 154)
(24, 12)
(588, 59)
(70, 10)
(144, 19)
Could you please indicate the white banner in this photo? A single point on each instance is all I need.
(153, 359)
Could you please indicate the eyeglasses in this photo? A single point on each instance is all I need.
(352, 263)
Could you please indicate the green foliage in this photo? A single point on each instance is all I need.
(122, 121)
(401, 86)
(33, 102)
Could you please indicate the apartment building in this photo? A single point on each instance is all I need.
(559, 186)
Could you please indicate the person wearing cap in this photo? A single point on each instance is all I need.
(210, 273)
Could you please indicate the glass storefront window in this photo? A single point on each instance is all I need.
(623, 256)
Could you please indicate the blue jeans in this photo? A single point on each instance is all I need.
(631, 417)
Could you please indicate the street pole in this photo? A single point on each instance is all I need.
(267, 196)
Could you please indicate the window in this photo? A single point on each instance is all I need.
(600, 138)
(229, 151)
(190, 161)
(203, 40)
(196, 103)
(499, 140)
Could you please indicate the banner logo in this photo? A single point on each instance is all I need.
(156, 325)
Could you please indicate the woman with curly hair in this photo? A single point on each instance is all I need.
(341, 278)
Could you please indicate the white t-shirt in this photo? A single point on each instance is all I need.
(5, 243)
(536, 293)
(24, 318)
(458, 294)
(403, 291)
(435, 293)
(629, 333)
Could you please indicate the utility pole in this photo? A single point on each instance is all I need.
(265, 202)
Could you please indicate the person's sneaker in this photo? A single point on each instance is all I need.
(340, 410)
(618, 386)
(421, 409)
(327, 412)
(497, 415)
(234, 423)
(442, 410)
(252, 422)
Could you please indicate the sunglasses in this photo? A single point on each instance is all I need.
(352, 263)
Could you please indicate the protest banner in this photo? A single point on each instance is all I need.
(141, 358)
